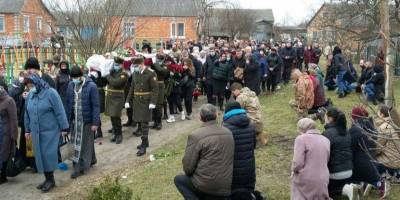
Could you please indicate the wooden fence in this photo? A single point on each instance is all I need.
(13, 59)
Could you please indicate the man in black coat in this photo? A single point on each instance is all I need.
(300, 56)
(252, 78)
(208, 69)
(288, 54)
(274, 62)
(244, 166)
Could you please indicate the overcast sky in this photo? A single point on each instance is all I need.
(288, 12)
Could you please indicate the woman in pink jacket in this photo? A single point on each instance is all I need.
(310, 174)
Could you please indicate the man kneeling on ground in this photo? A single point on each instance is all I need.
(208, 160)
(248, 100)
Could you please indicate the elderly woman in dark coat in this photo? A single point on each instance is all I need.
(8, 130)
(244, 166)
(45, 121)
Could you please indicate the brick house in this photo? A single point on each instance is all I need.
(336, 23)
(24, 21)
(157, 21)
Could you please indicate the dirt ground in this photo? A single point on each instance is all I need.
(112, 159)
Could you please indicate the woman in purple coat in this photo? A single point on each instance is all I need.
(311, 156)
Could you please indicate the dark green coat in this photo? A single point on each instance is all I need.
(162, 75)
(145, 82)
(115, 99)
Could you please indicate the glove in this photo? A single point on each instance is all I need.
(152, 106)
(127, 105)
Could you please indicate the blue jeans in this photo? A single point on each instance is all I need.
(369, 91)
(342, 84)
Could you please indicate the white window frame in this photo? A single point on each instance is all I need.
(3, 30)
(48, 27)
(28, 27)
(16, 23)
(175, 30)
(128, 29)
(39, 24)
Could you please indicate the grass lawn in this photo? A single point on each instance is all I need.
(154, 180)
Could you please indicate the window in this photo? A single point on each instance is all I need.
(181, 29)
(173, 30)
(129, 28)
(314, 34)
(39, 24)
(49, 30)
(2, 24)
(26, 24)
(178, 30)
(16, 22)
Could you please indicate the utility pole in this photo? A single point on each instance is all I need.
(385, 29)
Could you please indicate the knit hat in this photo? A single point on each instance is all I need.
(231, 105)
(359, 112)
(32, 63)
(76, 72)
(305, 125)
(3, 91)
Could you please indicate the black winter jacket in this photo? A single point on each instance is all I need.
(364, 168)
(341, 158)
(244, 171)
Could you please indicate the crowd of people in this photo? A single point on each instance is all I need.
(56, 103)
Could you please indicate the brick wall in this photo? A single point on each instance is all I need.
(154, 29)
(33, 9)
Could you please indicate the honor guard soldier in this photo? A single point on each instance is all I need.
(117, 80)
(144, 91)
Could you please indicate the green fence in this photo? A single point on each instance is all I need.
(13, 59)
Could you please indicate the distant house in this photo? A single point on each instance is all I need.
(156, 21)
(24, 21)
(336, 23)
(290, 32)
(258, 23)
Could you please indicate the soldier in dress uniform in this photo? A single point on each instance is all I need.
(144, 91)
(162, 74)
(117, 80)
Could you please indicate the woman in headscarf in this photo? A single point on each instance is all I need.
(45, 120)
(311, 156)
(8, 130)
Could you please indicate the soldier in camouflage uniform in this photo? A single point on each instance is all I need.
(304, 93)
(162, 74)
(249, 101)
(144, 91)
(117, 80)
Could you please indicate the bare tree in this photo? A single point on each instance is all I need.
(94, 25)
(236, 22)
(203, 8)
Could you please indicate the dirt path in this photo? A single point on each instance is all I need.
(111, 158)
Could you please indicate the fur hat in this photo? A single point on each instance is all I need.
(32, 63)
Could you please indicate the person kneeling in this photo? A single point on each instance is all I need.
(208, 160)
(244, 165)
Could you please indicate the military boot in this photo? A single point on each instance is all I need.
(145, 143)
(113, 138)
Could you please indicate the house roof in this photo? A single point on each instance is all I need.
(164, 8)
(11, 6)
